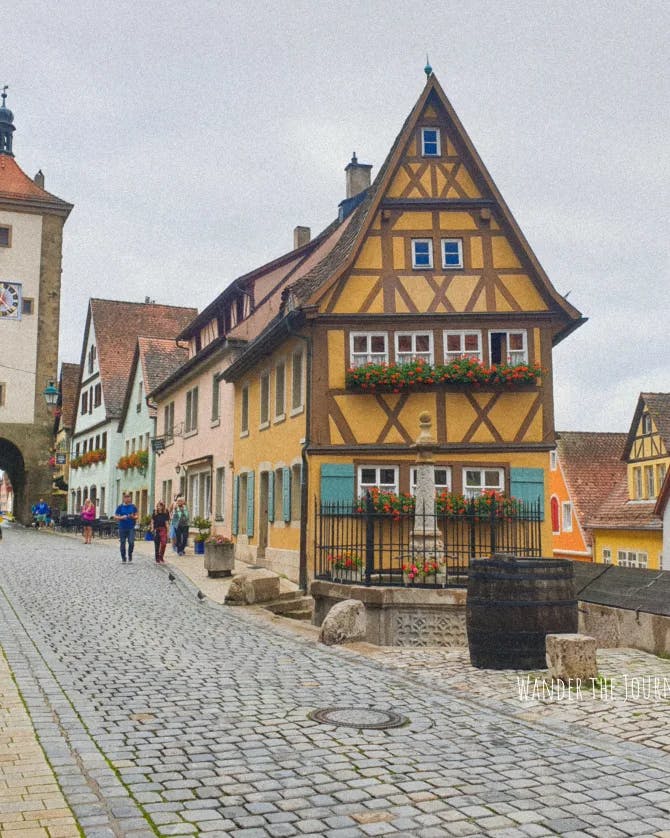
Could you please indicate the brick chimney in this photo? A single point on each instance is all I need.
(358, 176)
(301, 236)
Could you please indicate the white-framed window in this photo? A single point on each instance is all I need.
(200, 494)
(168, 421)
(478, 480)
(630, 558)
(140, 393)
(216, 390)
(646, 423)
(368, 348)
(166, 492)
(566, 516)
(637, 482)
(442, 476)
(553, 460)
(297, 366)
(661, 470)
(607, 555)
(649, 481)
(244, 411)
(508, 347)
(465, 343)
(413, 346)
(384, 478)
(422, 254)
(452, 253)
(280, 390)
(430, 142)
(191, 421)
(264, 399)
(219, 507)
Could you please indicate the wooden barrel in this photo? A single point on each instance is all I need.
(512, 605)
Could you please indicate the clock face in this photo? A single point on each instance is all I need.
(10, 299)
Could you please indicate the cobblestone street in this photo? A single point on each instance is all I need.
(162, 715)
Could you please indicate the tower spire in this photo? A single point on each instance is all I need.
(6, 125)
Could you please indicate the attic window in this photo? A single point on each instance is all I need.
(430, 142)
(422, 253)
(452, 253)
(646, 423)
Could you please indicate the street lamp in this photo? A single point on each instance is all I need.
(51, 394)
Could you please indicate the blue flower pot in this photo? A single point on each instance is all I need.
(199, 548)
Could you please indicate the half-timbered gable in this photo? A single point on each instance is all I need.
(647, 450)
(423, 296)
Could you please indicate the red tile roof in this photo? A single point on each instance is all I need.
(117, 326)
(69, 384)
(619, 513)
(16, 185)
(592, 467)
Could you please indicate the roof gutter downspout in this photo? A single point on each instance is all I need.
(304, 477)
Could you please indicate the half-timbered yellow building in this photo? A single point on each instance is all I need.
(626, 529)
(423, 295)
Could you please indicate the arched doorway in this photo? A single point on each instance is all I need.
(11, 461)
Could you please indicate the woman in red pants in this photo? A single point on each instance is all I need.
(159, 526)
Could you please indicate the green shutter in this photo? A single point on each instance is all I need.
(250, 503)
(236, 489)
(337, 483)
(527, 484)
(286, 492)
(271, 496)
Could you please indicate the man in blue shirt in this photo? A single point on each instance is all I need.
(41, 512)
(126, 515)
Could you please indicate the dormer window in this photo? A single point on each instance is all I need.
(452, 253)
(430, 142)
(422, 254)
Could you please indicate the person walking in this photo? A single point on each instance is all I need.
(159, 526)
(180, 521)
(126, 515)
(87, 519)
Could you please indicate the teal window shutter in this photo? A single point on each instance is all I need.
(250, 503)
(337, 483)
(236, 491)
(271, 496)
(286, 492)
(527, 484)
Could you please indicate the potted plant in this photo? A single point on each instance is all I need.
(219, 556)
(346, 567)
(203, 526)
(145, 521)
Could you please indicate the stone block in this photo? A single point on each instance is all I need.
(345, 622)
(252, 587)
(571, 656)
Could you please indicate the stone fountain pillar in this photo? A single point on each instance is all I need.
(426, 539)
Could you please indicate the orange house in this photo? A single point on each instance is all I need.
(582, 472)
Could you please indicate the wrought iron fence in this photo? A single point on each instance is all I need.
(356, 543)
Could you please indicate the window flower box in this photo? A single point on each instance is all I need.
(346, 567)
(418, 375)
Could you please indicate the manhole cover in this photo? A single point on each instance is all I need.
(361, 718)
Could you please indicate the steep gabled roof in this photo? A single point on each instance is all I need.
(658, 407)
(117, 326)
(69, 383)
(17, 188)
(592, 466)
(341, 258)
(619, 513)
(158, 358)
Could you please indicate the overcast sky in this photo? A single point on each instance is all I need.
(193, 137)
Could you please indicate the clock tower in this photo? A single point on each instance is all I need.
(31, 235)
